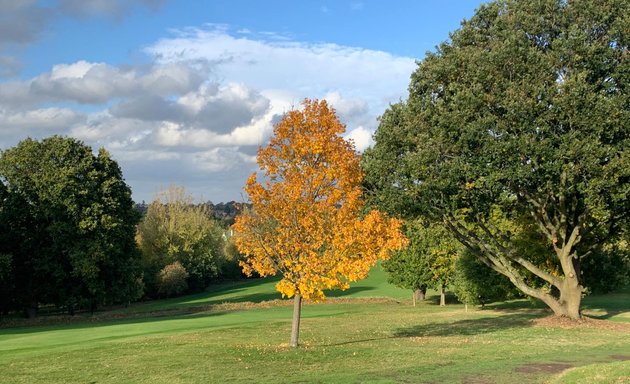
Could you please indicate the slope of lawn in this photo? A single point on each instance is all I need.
(258, 290)
(227, 337)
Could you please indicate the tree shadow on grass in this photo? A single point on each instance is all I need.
(467, 327)
(611, 304)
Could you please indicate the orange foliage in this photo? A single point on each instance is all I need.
(305, 222)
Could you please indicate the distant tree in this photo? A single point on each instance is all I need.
(176, 229)
(225, 212)
(428, 261)
(305, 223)
(522, 118)
(71, 221)
(409, 268)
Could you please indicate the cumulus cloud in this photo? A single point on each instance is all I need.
(37, 122)
(359, 83)
(361, 137)
(306, 69)
(199, 112)
(97, 83)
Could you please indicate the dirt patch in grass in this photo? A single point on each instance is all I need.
(620, 357)
(566, 323)
(543, 368)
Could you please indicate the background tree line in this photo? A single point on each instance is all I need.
(71, 238)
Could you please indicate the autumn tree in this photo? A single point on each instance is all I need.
(518, 127)
(306, 221)
(174, 229)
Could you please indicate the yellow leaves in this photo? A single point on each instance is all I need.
(305, 223)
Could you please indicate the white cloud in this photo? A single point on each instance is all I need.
(361, 137)
(197, 115)
(307, 70)
(37, 122)
(357, 6)
(98, 83)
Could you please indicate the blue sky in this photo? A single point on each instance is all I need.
(184, 92)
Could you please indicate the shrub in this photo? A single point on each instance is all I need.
(171, 280)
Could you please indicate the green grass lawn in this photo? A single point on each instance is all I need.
(350, 339)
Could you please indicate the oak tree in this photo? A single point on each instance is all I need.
(519, 127)
(306, 221)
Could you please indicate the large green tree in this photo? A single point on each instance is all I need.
(519, 127)
(71, 220)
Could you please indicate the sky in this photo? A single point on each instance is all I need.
(185, 92)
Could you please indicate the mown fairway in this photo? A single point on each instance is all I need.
(352, 338)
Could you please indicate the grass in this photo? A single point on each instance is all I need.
(352, 338)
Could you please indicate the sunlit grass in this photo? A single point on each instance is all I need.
(352, 340)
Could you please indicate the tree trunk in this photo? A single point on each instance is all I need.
(295, 327)
(419, 294)
(570, 300)
(568, 305)
(442, 295)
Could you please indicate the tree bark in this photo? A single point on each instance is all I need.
(295, 327)
(567, 305)
(442, 295)
(419, 294)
